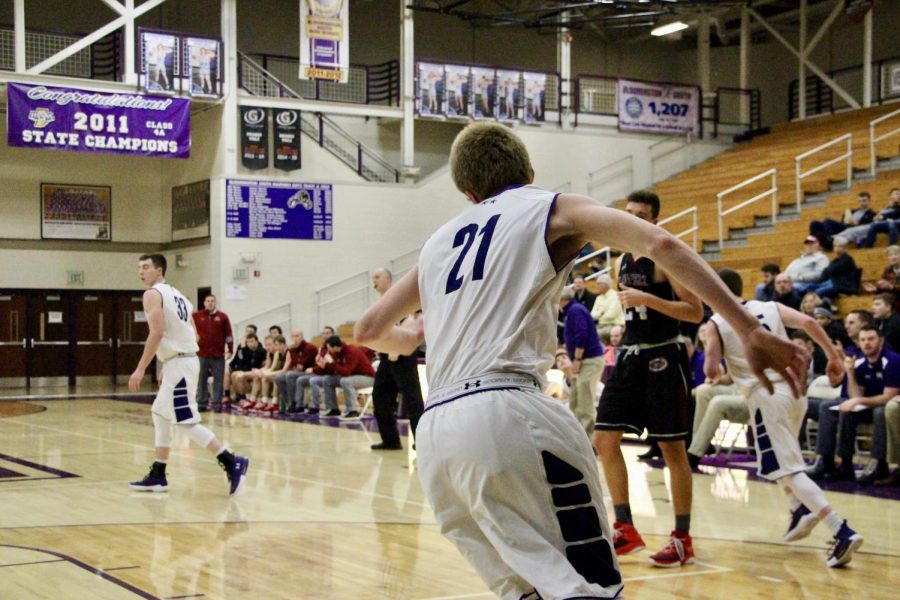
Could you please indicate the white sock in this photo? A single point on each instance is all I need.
(834, 521)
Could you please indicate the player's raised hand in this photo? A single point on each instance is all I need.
(767, 351)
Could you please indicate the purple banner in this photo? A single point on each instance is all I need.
(284, 210)
(84, 121)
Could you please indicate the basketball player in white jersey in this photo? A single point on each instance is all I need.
(776, 417)
(173, 339)
(511, 476)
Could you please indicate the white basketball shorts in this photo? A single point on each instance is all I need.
(776, 421)
(176, 399)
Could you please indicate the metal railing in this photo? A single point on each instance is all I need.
(618, 171)
(729, 105)
(41, 45)
(604, 250)
(279, 315)
(772, 191)
(253, 78)
(683, 142)
(399, 265)
(694, 228)
(847, 155)
(874, 140)
(820, 98)
(347, 299)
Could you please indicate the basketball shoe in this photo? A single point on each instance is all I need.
(626, 539)
(845, 543)
(236, 473)
(155, 481)
(679, 551)
(801, 525)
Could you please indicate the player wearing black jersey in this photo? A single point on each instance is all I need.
(649, 389)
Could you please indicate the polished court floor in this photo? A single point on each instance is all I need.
(324, 517)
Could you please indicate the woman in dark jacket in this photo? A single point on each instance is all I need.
(841, 276)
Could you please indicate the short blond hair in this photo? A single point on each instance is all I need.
(487, 157)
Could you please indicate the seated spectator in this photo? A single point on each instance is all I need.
(810, 302)
(345, 366)
(834, 328)
(785, 292)
(808, 267)
(890, 279)
(825, 230)
(607, 311)
(870, 382)
(716, 401)
(886, 321)
(301, 356)
(841, 276)
(819, 360)
(563, 364)
(612, 344)
(765, 291)
(892, 423)
(582, 295)
(305, 382)
(276, 359)
(886, 221)
(249, 356)
(226, 388)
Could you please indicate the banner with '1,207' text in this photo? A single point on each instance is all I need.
(658, 107)
(56, 118)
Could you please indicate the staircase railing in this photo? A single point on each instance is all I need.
(771, 191)
(847, 156)
(620, 170)
(692, 211)
(347, 299)
(255, 79)
(279, 315)
(399, 265)
(873, 140)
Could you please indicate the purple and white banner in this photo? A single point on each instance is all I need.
(55, 118)
(324, 39)
(283, 210)
(658, 107)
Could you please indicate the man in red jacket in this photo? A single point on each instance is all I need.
(214, 334)
(301, 356)
(346, 366)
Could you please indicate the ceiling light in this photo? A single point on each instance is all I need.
(668, 28)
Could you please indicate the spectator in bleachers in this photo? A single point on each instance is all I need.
(807, 269)
(607, 311)
(614, 348)
(345, 366)
(248, 329)
(819, 360)
(810, 302)
(871, 380)
(886, 221)
(301, 356)
(841, 276)
(886, 321)
(892, 423)
(582, 294)
(276, 362)
(834, 328)
(249, 356)
(563, 364)
(853, 323)
(785, 292)
(890, 278)
(275, 330)
(825, 230)
(765, 291)
(304, 383)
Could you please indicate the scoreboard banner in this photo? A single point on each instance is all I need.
(45, 117)
(283, 210)
(324, 40)
(658, 107)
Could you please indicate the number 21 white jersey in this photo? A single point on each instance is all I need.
(490, 291)
(179, 335)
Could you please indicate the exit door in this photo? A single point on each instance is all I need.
(49, 319)
(94, 352)
(13, 340)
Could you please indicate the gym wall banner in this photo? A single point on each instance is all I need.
(287, 139)
(278, 210)
(254, 137)
(658, 107)
(190, 211)
(56, 118)
(324, 40)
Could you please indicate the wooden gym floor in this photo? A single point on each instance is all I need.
(324, 517)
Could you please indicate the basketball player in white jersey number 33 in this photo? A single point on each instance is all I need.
(509, 472)
(173, 339)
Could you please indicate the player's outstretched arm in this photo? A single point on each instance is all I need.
(583, 218)
(376, 328)
(797, 320)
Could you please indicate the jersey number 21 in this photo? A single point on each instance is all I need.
(465, 237)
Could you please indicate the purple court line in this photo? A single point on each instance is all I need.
(27, 478)
(39, 467)
(188, 596)
(121, 568)
(90, 569)
(34, 562)
(9, 473)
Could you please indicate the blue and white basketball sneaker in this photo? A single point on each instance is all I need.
(845, 543)
(237, 475)
(150, 483)
(801, 525)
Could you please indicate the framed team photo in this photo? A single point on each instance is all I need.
(159, 61)
(458, 101)
(76, 212)
(508, 95)
(431, 89)
(190, 211)
(484, 85)
(201, 66)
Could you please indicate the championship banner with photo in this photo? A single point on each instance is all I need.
(55, 118)
(254, 137)
(658, 107)
(159, 61)
(535, 86)
(484, 82)
(190, 211)
(75, 212)
(324, 39)
(201, 66)
(507, 94)
(278, 210)
(431, 89)
(457, 80)
(287, 139)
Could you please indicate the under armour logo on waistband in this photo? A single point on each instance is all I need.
(476, 384)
